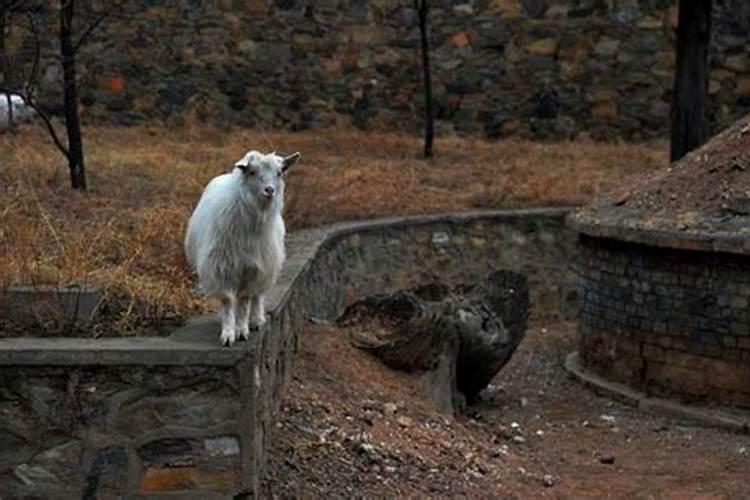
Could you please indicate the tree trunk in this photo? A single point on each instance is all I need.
(690, 95)
(429, 126)
(70, 86)
(458, 338)
(5, 64)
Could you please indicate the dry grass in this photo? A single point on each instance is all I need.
(126, 232)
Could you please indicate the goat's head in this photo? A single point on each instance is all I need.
(263, 176)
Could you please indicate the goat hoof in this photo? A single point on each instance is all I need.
(227, 338)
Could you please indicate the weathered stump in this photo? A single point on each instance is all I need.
(459, 337)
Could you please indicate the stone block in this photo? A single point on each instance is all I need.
(545, 46)
(461, 39)
(75, 304)
(162, 480)
(605, 111)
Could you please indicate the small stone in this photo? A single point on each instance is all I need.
(461, 39)
(390, 409)
(524, 402)
(545, 46)
(548, 481)
(404, 421)
(500, 450)
(607, 418)
(463, 9)
(607, 459)
(519, 439)
(649, 23)
(737, 63)
(607, 47)
(222, 446)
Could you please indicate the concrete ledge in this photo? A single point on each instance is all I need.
(620, 392)
(629, 225)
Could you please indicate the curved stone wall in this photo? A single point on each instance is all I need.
(182, 416)
(541, 68)
(665, 314)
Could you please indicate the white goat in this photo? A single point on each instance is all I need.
(21, 111)
(235, 239)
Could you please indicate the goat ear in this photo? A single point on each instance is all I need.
(290, 160)
(241, 166)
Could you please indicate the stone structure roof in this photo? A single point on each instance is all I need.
(699, 202)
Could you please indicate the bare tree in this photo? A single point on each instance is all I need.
(690, 94)
(422, 7)
(69, 47)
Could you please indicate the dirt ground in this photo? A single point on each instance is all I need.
(351, 428)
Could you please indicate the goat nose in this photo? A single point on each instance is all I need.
(269, 190)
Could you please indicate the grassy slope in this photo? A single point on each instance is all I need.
(126, 232)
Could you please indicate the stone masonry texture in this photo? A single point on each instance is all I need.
(542, 68)
(668, 322)
(183, 417)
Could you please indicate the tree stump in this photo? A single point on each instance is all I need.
(458, 337)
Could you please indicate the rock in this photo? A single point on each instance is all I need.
(649, 23)
(500, 450)
(548, 481)
(404, 421)
(607, 459)
(464, 9)
(390, 409)
(605, 110)
(535, 8)
(75, 304)
(545, 46)
(557, 11)
(743, 86)
(607, 47)
(222, 446)
(737, 63)
(519, 439)
(608, 419)
(461, 39)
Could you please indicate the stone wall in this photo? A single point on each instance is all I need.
(670, 322)
(184, 417)
(530, 68)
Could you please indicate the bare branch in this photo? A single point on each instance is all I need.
(34, 74)
(50, 128)
(29, 101)
(96, 23)
(10, 6)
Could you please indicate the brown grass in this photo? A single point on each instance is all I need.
(126, 231)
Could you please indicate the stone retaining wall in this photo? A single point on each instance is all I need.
(182, 416)
(541, 68)
(669, 322)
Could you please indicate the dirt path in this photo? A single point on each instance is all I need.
(352, 428)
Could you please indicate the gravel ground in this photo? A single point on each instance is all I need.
(352, 428)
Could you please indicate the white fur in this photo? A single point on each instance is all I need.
(235, 240)
(21, 111)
